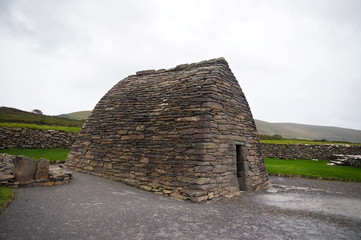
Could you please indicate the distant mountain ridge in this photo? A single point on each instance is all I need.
(305, 131)
(286, 130)
(81, 115)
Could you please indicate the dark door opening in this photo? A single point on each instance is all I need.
(241, 173)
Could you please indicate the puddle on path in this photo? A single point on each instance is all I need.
(311, 199)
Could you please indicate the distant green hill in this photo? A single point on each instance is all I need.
(12, 115)
(303, 131)
(286, 130)
(81, 115)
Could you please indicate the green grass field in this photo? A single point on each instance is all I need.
(50, 154)
(312, 168)
(6, 194)
(41, 127)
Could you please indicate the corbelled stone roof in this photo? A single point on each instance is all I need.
(179, 132)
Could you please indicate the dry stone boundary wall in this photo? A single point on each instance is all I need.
(306, 151)
(34, 138)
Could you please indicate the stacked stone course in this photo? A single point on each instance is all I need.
(174, 132)
(35, 138)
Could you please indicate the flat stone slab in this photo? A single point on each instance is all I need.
(24, 169)
(43, 170)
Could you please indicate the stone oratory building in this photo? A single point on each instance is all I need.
(186, 132)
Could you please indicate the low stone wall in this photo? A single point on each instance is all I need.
(306, 151)
(35, 138)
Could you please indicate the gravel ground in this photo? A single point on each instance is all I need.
(95, 208)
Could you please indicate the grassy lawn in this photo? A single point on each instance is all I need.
(312, 168)
(5, 195)
(41, 127)
(300, 141)
(50, 154)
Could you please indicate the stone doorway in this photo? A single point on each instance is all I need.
(241, 167)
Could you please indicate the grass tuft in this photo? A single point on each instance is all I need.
(6, 194)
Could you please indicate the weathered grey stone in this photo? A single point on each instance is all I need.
(194, 193)
(220, 169)
(57, 175)
(178, 196)
(25, 169)
(203, 169)
(43, 170)
(213, 105)
(145, 72)
(145, 187)
(199, 199)
(347, 160)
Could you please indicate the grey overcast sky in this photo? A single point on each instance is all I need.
(296, 60)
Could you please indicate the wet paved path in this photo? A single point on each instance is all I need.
(96, 208)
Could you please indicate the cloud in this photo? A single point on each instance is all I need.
(297, 61)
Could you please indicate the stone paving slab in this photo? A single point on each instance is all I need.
(95, 208)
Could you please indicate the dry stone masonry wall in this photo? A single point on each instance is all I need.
(306, 151)
(35, 138)
(186, 132)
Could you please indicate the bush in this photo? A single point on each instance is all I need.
(269, 137)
